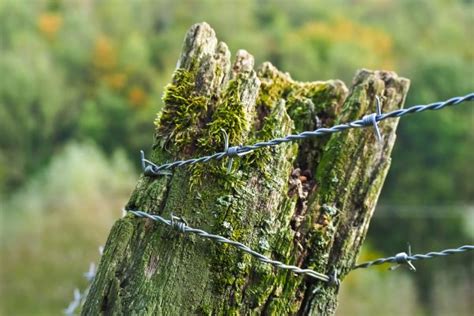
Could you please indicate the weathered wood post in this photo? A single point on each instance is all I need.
(307, 203)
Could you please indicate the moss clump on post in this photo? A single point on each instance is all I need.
(306, 203)
(177, 123)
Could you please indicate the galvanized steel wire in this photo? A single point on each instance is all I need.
(180, 225)
(151, 169)
(402, 257)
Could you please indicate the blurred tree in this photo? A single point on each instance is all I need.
(53, 90)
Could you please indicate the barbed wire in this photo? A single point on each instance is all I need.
(178, 223)
(151, 168)
(400, 258)
(404, 258)
(182, 226)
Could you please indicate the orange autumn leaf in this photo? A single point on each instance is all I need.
(105, 55)
(49, 24)
(137, 96)
(116, 80)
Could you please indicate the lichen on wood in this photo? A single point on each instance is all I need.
(306, 203)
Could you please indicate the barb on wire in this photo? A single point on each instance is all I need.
(78, 297)
(151, 168)
(179, 224)
(75, 303)
(371, 119)
(403, 258)
(90, 274)
(231, 151)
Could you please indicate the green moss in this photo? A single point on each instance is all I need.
(272, 118)
(106, 286)
(331, 169)
(269, 282)
(273, 127)
(306, 102)
(230, 116)
(181, 124)
(278, 95)
(274, 86)
(226, 196)
(184, 108)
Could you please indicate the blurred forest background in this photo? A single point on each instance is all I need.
(81, 82)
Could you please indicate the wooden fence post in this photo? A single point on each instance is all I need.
(307, 203)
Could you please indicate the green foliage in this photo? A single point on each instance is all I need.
(95, 70)
(75, 69)
(444, 137)
(65, 78)
(60, 218)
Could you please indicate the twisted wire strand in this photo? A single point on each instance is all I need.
(404, 258)
(184, 228)
(368, 120)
